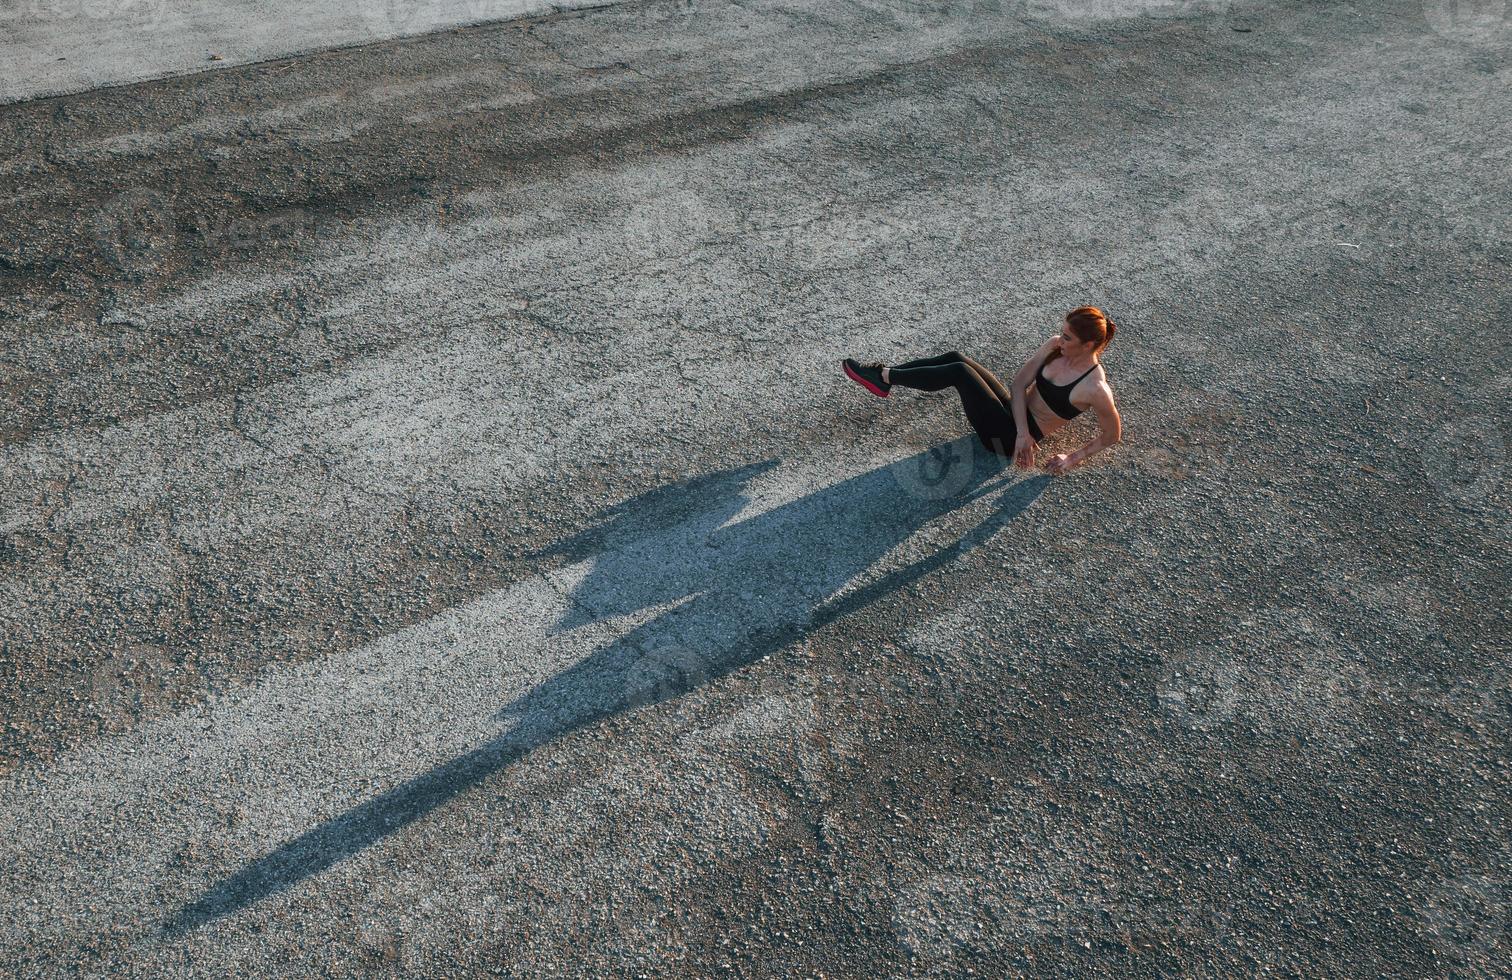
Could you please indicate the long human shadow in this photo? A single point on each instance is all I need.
(738, 590)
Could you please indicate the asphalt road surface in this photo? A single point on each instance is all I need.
(437, 537)
(52, 47)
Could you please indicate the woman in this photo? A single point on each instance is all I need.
(1059, 381)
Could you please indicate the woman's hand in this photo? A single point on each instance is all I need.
(1059, 463)
(1023, 450)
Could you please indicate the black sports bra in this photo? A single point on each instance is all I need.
(1058, 397)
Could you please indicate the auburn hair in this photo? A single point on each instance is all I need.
(1089, 324)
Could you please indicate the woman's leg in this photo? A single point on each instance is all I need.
(951, 357)
(991, 379)
(989, 416)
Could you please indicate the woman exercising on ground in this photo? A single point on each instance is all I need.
(1061, 380)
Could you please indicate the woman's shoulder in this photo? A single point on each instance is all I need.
(1098, 383)
(1047, 352)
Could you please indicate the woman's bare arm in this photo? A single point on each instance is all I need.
(1021, 381)
(1109, 429)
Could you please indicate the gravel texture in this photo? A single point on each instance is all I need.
(55, 47)
(437, 537)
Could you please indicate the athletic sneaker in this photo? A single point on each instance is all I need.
(868, 376)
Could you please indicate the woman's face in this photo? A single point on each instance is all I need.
(1070, 345)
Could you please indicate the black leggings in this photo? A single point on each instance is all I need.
(988, 405)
